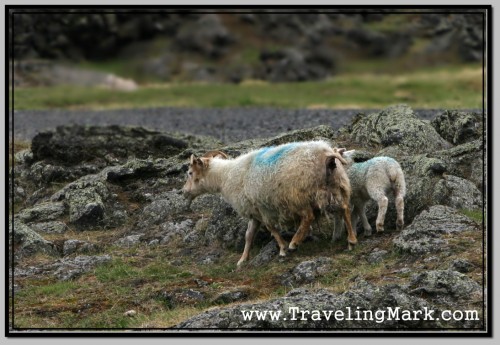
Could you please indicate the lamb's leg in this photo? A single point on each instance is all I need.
(366, 226)
(351, 234)
(253, 225)
(400, 206)
(307, 217)
(382, 209)
(279, 239)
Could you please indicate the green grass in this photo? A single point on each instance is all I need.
(432, 88)
(475, 215)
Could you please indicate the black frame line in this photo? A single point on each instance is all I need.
(486, 10)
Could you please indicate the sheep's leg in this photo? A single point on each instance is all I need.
(307, 217)
(400, 205)
(253, 225)
(279, 239)
(351, 234)
(354, 218)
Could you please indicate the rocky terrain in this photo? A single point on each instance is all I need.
(280, 45)
(90, 200)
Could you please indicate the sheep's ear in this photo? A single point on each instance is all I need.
(341, 150)
(222, 155)
(204, 162)
(195, 161)
(213, 154)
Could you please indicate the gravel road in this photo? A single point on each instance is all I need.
(227, 124)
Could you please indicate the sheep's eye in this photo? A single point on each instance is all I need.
(190, 173)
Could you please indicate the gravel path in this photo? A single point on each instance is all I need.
(227, 124)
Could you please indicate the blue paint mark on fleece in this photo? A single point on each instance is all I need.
(269, 156)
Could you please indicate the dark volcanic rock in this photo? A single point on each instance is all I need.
(27, 242)
(396, 126)
(363, 295)
(465, 161)
(231, 297)
(76, 144)
(42, 212)
(207, 36)
(425, 234)
(307, 272)
(445, 285)
(459, 127)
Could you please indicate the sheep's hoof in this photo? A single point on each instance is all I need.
(380, 227)
(292, 247)
(349, 246)
(368, 232)
(282, 253)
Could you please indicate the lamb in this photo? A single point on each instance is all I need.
(276, 186)
(373, 179)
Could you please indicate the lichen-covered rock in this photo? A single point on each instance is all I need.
(53, 227)
(396, 125)
(85, 198)
(77, 246)
(181, 297)
(458, 193)
(225, 227)
(161, 210)
(425, 234)
(362, 294)
(266, 254)
(27, 242)
(307, 271)
(459, 127)
(231, 296)
(376, 256)
(42, 212)
(130, 240)
(461, 265)
(445, 286)
(465, 161)
(66, 269)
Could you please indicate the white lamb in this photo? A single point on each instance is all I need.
(374, 179)
(276, 186)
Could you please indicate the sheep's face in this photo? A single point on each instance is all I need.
(194, 185)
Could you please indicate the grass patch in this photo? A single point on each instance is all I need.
(432, 88)
(475, 215)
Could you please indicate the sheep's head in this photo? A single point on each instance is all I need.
(197, 171)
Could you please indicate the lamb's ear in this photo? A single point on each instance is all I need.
(192, 159)
(348, 153)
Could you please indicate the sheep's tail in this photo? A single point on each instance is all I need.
(397, 180)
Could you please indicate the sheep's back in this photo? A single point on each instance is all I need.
(282, 181)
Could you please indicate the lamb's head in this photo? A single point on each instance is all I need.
(197, 172)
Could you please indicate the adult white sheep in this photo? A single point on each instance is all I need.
(276, 186)
(374, 179)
